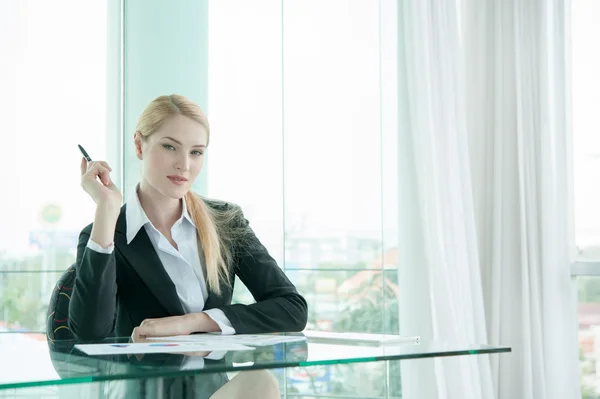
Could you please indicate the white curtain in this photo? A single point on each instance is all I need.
(441, 296)
(485, 206)
(519, 129)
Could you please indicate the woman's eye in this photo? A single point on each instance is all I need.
(168, 146)
(198, 153)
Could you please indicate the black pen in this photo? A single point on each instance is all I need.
(85, 154)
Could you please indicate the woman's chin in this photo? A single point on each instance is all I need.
(175, 192)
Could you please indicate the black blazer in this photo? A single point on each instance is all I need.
(114, 293)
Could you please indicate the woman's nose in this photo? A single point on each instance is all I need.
(182, 163)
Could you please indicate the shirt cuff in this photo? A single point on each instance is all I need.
(98, 248)
(219, 317)
(216, 355)
(192, 363)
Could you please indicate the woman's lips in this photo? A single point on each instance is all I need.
(180, 181)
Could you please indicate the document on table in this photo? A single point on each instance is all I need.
(240, 339)
(158, 347)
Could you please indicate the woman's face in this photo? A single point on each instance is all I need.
(172, 157)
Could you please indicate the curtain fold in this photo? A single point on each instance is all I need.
(485, 227)
(439, 273)
(519, 134)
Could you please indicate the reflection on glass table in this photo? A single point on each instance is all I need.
(311, 365)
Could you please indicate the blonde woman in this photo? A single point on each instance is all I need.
(164, 263)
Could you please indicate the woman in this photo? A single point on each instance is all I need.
(164, 263)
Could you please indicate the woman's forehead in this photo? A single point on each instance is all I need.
(183, 129)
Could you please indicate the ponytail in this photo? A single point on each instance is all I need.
(217, 256)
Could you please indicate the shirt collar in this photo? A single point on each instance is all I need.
(136, 218)
(185, 213)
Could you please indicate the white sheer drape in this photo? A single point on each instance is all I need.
(439, 272)
(484, 213)
(519, 129)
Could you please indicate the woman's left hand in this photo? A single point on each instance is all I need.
(168, 326)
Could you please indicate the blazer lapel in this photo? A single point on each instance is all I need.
(145, 261)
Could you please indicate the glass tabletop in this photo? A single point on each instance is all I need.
(28, 360)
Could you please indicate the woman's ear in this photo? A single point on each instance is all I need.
(137, 142)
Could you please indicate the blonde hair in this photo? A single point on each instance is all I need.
(216, 228)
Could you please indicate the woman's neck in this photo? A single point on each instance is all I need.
(162, 211)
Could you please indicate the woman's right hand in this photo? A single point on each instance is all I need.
(95, 180)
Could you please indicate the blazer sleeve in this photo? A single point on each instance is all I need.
(92, 309)
(279, 307)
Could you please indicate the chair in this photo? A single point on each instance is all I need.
(57, 327)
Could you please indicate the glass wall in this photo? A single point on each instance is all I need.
(53, 80)
(586, 156)
(302, 104)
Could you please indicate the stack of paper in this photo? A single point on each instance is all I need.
(241, 339)
(190, 343)
(157, 347)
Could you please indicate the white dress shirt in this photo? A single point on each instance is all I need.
(183, 265)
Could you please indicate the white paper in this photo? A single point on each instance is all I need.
(157, 347)
(240, 339)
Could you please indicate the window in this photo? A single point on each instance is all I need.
(53, 77)
(302, 104)
(586, 128)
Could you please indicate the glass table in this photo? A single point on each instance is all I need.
(32, 367)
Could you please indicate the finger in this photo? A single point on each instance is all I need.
(105, 176)
(83, 166)
(135, 335)
(96, 169)
(94, 166)
(143, 331)
(91, 164)
(105, 164)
